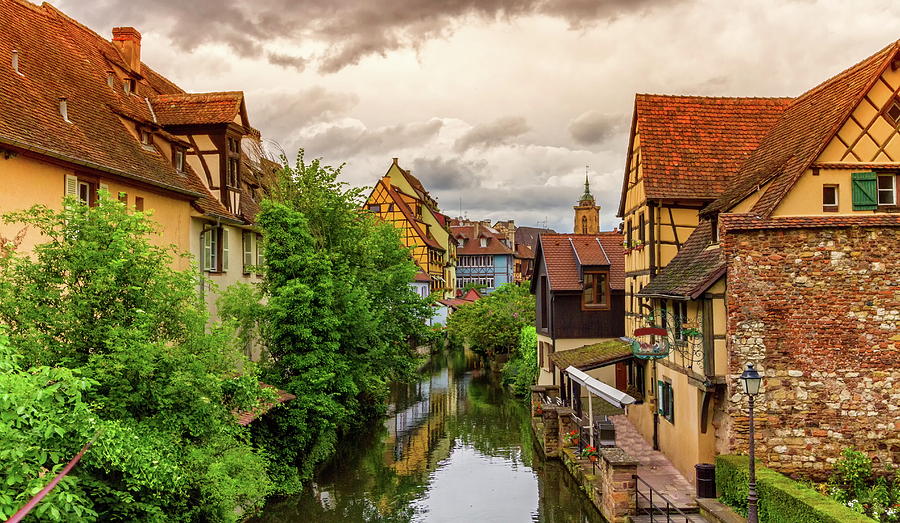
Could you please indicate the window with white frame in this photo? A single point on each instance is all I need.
(214, 249)
(487, 281)
(476, 261)
(247, 248)
(483, 242)
(830, 198)
(887, 189)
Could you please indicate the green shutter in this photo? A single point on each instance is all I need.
(865, 191)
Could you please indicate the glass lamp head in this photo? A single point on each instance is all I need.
(751, 380)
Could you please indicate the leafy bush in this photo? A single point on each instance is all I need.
(98, 302)
(521, 370)
(853, 483)
(781, 499)
(492, 324)
(339, 318)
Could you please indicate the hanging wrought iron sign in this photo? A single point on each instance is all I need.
(651, 351)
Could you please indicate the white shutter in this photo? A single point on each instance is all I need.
(224, 248)
(206, 250)
(260, 257)
(71, 185)
(247, 240)
(105, 187)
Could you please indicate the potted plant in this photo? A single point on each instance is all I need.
(538, 409)
(590, 452)
(572, 437)
(692, 332)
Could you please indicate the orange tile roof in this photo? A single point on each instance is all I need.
(745, 222)
(564, 254)
(693, 269)
(473, 246)
(690, 146)
(394, 193)
(197, 108)
(801, 134)
(58, 57)
(244, 418)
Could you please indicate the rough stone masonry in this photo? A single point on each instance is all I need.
(818, 310)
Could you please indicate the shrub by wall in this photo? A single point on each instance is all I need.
(781, 499)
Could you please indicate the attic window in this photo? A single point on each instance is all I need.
(892, 113)
(178, 159)
(145, 138)
(483, 242)
(128, 85)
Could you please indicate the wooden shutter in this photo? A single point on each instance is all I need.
(224, 248)
(865, 191)
(71, 185)
(247, 242)
(260, 255)
(206, 252)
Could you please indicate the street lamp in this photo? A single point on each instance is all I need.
(751, 380)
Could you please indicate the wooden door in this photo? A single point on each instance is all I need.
(621, 376)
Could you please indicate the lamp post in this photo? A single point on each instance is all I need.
(751, 380)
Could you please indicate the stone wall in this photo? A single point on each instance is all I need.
(818, 311)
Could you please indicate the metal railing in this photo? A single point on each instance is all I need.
(654, 510)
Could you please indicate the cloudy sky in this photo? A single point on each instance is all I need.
(497, 105)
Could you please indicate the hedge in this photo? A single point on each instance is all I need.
(781, 499)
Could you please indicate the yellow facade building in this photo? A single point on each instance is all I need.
(83, 114)
(400, 199)
(756, 232)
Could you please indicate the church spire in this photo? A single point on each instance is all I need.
(587, 212)
(587, 196)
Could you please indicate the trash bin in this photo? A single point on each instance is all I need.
(706, 480)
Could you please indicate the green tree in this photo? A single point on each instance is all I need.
(99, 300)
(520, 372)
(491, 325)
(339, 319)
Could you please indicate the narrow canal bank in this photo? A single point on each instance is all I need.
(456, 447)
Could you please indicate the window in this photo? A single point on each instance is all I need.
(483, 242)
(178, 159)
(138, 203)
(209, 239)
(714, 228)
(83, 189)
(128, 85)
(544, 304)
(260, 256)
(595, 291)
(123, 197)
(247, 247)
(892, 114)
(584, 227)
(476, 261)
(666, 400)
(461, 242)
(375, 207)
(145, 138)
(233, 162)
(628, 231)
(679, 317)
(487, 281)
(829, 198)
(887, 190)
(232, 179)
(641, 227)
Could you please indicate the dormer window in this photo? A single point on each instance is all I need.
(595, 291)
(178, 159)
(146, 139)
(128, 85)
(483, 242)
(461, 242)
(233, 162)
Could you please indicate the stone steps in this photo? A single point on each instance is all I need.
(673, 518)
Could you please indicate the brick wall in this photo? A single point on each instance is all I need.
(818, 310)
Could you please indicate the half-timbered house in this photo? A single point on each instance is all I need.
(400, 199)
(83, 115)
(791, 268)
(484, 255)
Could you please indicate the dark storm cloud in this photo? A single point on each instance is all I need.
(281, 112)
(447, 174)
(594, 127)
(351, 30)
(492, 133)
(341, 142)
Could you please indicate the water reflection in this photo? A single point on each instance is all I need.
(456, 447)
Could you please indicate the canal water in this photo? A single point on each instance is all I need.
(457, 447)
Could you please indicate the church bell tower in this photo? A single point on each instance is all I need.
(587, 212)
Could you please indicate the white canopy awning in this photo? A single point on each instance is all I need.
(594, 386)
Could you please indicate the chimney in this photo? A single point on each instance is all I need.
(395, 160)
(128, 41)
(64, 109)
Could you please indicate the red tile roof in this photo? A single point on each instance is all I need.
(244, 418)
(801, 134)
(197, 108)
(473, 234)
(58, 57)
(692, 271)
(422, 277)
(690, 146)
(564, 254)
(746, 222)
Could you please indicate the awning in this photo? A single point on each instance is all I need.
(594, 386)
